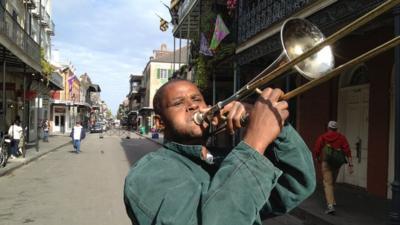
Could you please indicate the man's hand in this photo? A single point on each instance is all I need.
(233, 114)
(266, 119)
(350, 166)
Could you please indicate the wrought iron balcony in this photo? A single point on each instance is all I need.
(50, 29)
(45, 21)
(188, 18)
(257, 15)
(57, 80)
(31, 4)
(36, 11)
(12, 32)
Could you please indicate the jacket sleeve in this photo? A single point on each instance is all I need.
(291, 155)
(319, 144)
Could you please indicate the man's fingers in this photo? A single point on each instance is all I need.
(276, 94)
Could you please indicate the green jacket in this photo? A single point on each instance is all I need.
(173, 186)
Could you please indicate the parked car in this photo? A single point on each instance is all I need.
(96, 128)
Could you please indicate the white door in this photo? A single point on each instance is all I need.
(353, 123)
(56, 119)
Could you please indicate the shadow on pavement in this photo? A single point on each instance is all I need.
(136, 147)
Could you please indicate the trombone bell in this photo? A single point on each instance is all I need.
(299, 35)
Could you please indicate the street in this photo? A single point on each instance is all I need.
(65, 188)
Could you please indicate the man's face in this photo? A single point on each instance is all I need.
(181, 100)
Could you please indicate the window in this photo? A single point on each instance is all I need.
(162, 74)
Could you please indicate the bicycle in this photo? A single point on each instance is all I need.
(4, 149)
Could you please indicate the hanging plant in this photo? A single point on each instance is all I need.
(231, 6)
(47, 68)
(201, 73)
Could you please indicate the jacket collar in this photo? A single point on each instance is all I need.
(191, 151)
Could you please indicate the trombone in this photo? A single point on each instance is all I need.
(307, 50)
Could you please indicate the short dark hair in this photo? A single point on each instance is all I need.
(157, 99)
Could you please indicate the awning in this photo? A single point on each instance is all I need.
(94, 88)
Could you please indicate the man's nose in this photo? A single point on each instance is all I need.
(192, 105)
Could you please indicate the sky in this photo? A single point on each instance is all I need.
(109, 40)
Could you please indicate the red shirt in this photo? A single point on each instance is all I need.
(335, 139)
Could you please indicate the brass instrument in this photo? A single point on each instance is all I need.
(307, 50)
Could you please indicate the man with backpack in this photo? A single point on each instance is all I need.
(332, 150)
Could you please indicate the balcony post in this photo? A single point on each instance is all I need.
(395, 210)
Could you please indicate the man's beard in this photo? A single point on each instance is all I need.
(175, 135)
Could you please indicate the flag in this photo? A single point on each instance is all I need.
(220, 32)
(204, 49)
(70, 82)
(163, 25)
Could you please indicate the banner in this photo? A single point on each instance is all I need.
(220, 32)
(70, 82)
(204, 49)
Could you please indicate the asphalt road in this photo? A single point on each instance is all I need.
(67, 188)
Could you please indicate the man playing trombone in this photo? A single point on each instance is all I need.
(268, 173)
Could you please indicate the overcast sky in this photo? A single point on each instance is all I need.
(109, 40)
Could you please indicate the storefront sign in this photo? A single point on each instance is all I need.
(59, 110)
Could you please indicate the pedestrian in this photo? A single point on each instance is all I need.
(77, 135)
(331, 151)
(184, 182)
(15, 132)
(46, 128)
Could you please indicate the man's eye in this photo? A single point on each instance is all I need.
(177, 103)
(197, 99)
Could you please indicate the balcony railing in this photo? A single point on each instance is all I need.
(257, 15)
(16, 34)
(30, 4)
(51, 28)
(45, 21)
(36, 10)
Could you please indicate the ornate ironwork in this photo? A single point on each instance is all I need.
(257, 15)
(326, 20)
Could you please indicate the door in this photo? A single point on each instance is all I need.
(353, 123)
(59, 123)
(62, 123)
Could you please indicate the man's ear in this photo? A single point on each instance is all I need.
(158, 121)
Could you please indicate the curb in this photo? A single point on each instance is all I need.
(309, 218)
(11, 168)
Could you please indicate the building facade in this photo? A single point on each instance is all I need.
(158, 70)
(25, 89)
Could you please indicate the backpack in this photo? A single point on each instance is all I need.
(334, 157)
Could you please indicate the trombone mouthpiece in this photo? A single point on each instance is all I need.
(198, 118)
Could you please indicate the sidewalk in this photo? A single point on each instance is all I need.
(55, 142)
(354, 206)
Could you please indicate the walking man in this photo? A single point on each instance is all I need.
(267, 174)
(77, 134)
(46, 128)
(15, 132)
(326, 144)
